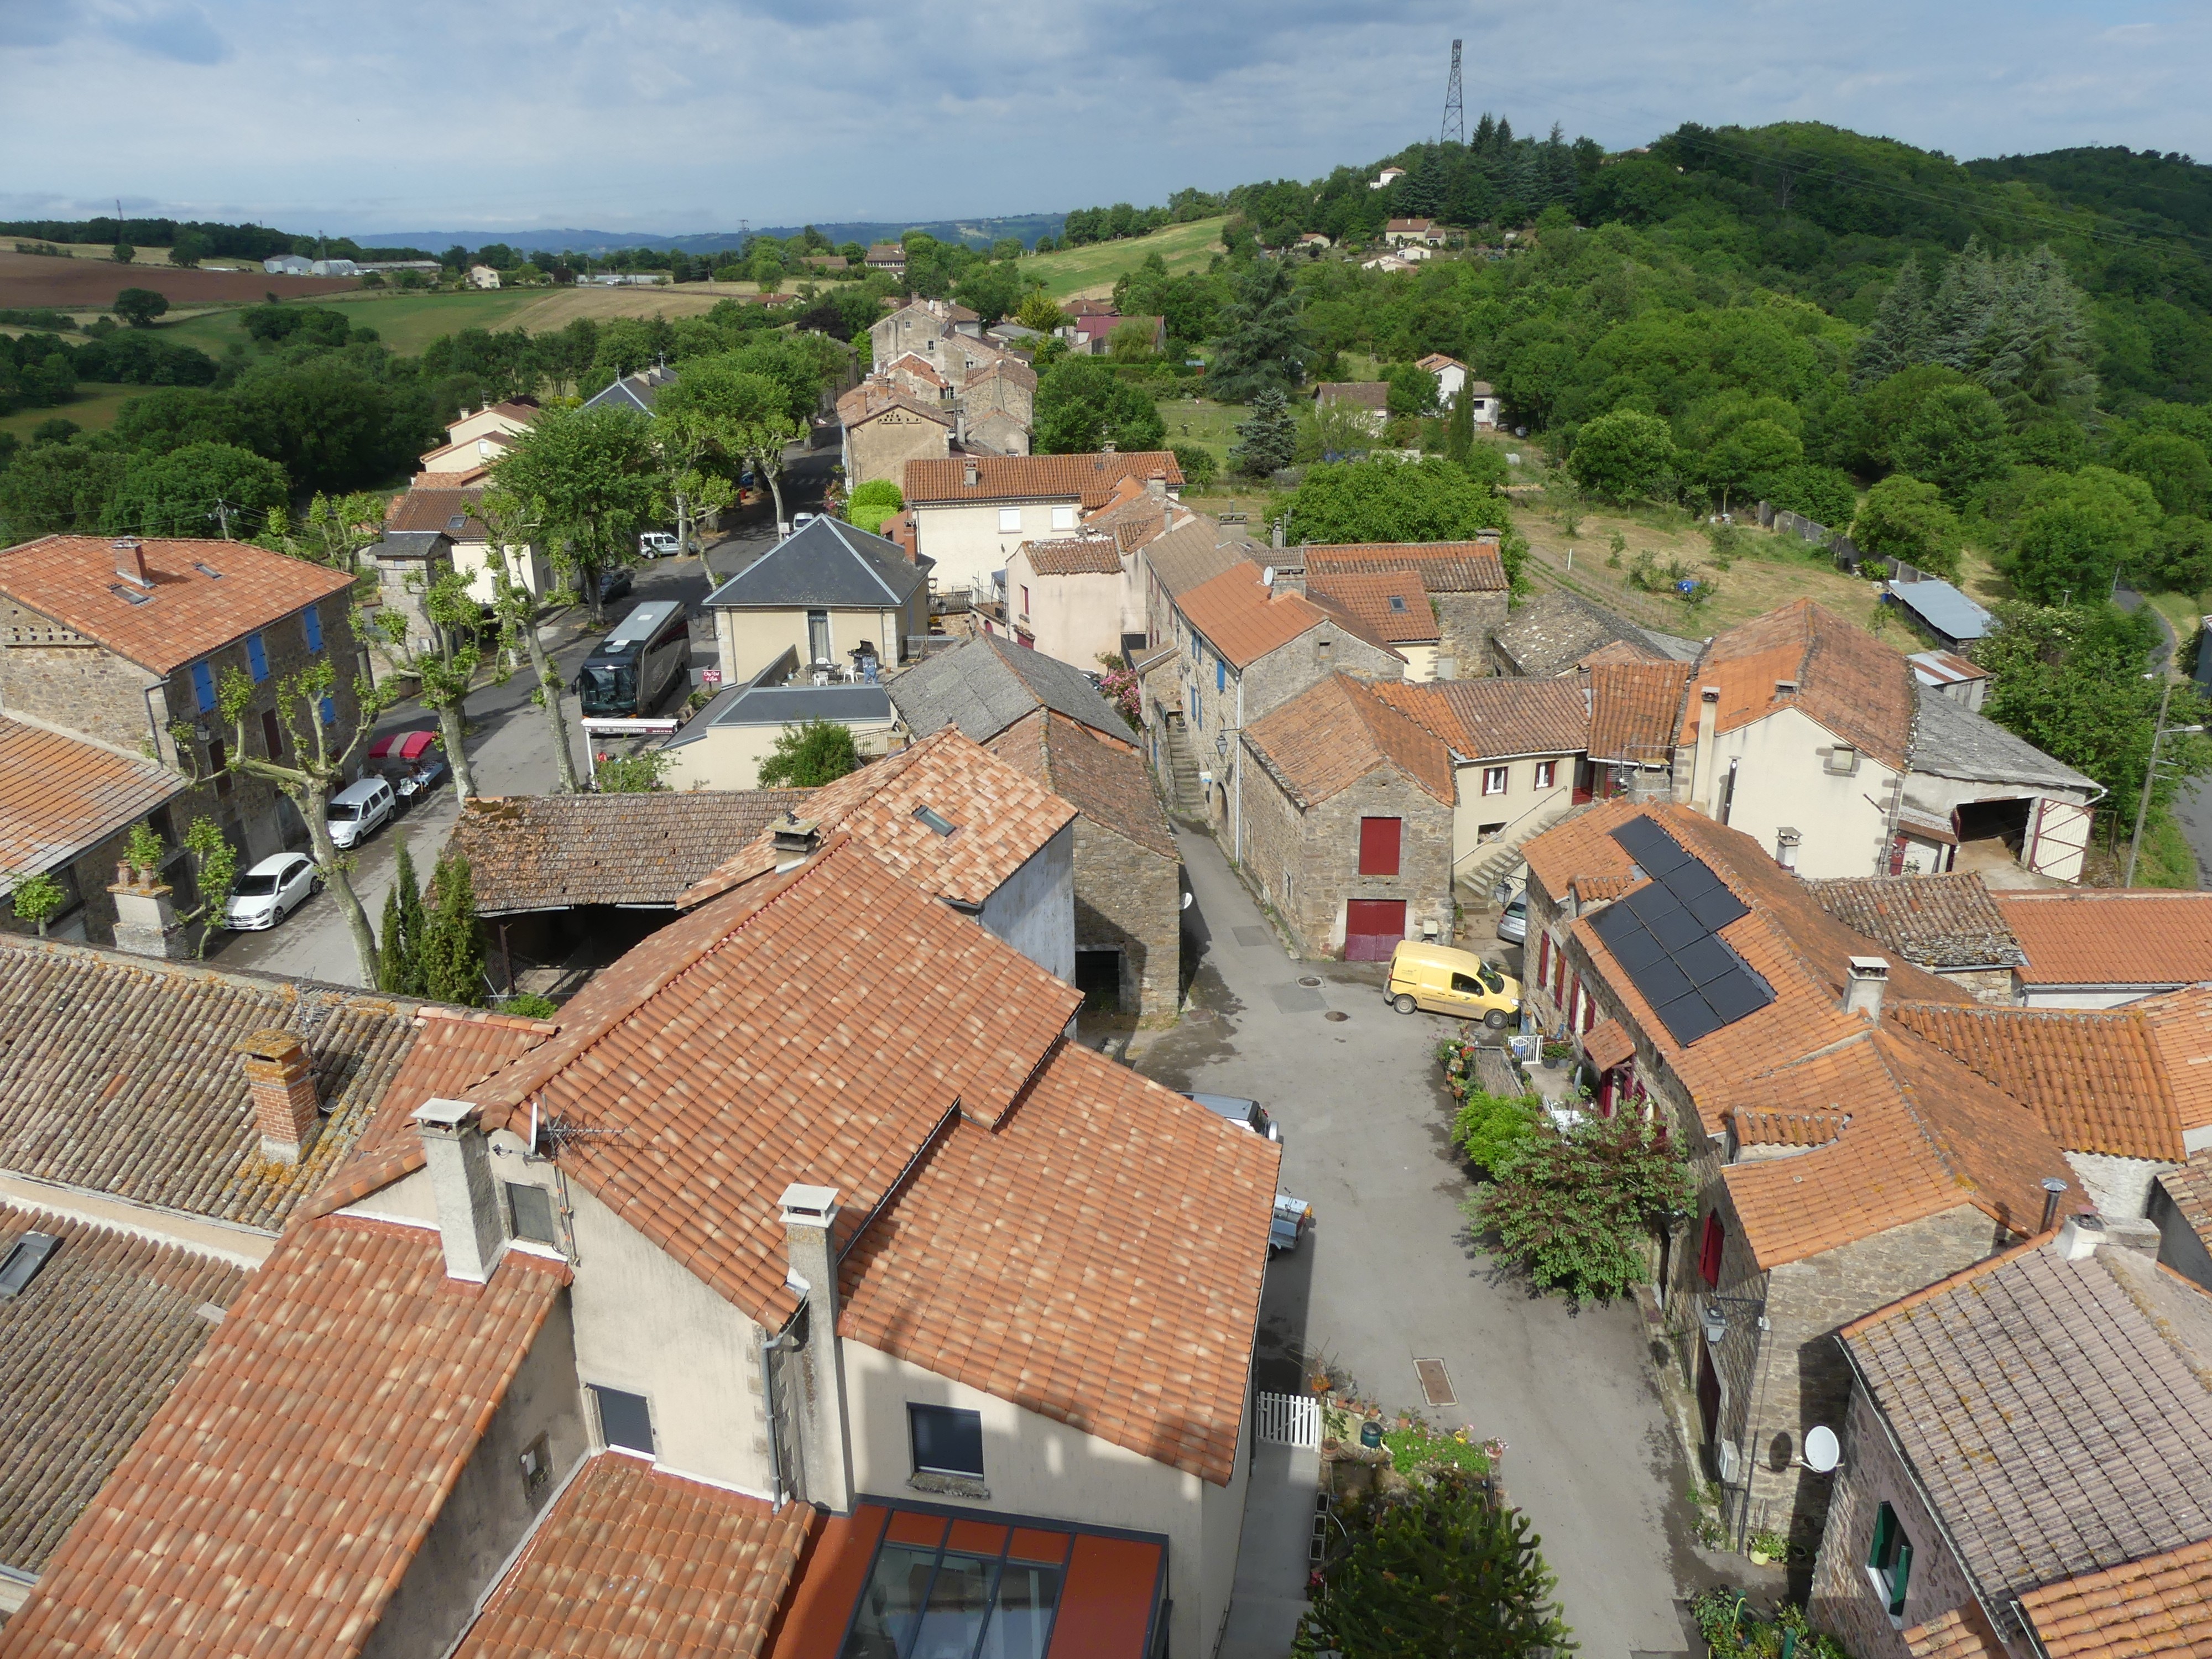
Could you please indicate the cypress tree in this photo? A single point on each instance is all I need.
(1259, 346)
(451, 955)
(1459, 427)
(399, 956)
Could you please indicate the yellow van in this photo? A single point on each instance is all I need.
(1448, 981)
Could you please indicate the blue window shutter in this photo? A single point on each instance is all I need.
(1220, 675)
(330, 711)
(311, 620)
(256, 655)
(204, 686)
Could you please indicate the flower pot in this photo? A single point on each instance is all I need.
(1758, 1558)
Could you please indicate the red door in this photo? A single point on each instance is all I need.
(1373, 928)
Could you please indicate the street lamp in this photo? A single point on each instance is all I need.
(2159, 732)
(1716, 1320)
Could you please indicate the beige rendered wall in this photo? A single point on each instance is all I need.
(1033, 1465)
(749, 640)
(729, 757)
(1780, 781)
(1523, 808)
(1077, 619)
(967, 543)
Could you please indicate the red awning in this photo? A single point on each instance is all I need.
(402, 746)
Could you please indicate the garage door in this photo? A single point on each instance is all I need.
(1373, 928)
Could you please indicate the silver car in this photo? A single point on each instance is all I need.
(270, 891)
(1247, 1113)
(1513, 926)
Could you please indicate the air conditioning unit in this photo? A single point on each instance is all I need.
(1729, 1462)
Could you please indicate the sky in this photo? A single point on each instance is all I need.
(683, 116)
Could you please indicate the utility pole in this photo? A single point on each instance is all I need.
(1455, 127)
(220, 514)
(2150, 776)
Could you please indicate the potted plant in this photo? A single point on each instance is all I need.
(1766, 1546)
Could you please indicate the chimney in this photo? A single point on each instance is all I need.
(130, 561)
(2078, 1239)
(970, 473)
(796, 841)
(284, 1093)
(1785, 846)
(1865, 981)
(461, 1186)
(1279, 534)
(810, 1217)
(1156, 483)
(1701, 769)
(960, 428)
(1108, 447)
(2053, 1190)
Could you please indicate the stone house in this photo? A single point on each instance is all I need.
(1394, 608)
(70, 805)
(1371, 398)
(1997, 1493)
(1950, 925)
(1465, 582)
(884, 428)
(947, 335)
(1195, 549)
(831, 594)
(518, 1356)
(1557, 632)
(971, 512)
(1347, 821)
(429, 529)
(1243, 649)
(125, 642)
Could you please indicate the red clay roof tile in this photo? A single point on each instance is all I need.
(1335, 732)
(2081, 936)
(60, 797)
(1087, 479)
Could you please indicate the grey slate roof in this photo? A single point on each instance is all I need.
(1555, 630)
(637, 392)
(1932, 921)
(794, 705)
(1952, 741)
(1943, 608)
(825, 565)
(411, 544)
(2057, 1412)
(984, 685)
(1196, 553)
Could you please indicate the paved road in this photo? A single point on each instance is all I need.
(1388, 1275)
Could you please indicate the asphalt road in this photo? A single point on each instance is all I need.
(508, 745)
(1389, 1274)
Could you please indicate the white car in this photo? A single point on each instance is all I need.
(270, 891)
(358, 809)
(658, 544)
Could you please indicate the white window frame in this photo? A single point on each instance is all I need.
(1010, 522)
(1063, 518)
(1547, 774)
(1496, 779)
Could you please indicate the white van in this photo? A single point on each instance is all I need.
(359, 809)
(658, 544)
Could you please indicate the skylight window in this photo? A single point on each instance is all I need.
(935, 820)
(208, 570)
(1397, 603)
(24, 1259)
(130, 595)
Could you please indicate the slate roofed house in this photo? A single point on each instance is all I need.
(1951, 674)
(1951, 925)
(971, 512)
(1997, 1494)
(830, 592)
(724, 744)
(984, 685)
(2100, 948)
(512, 1349)
(1347, 821)
(636, 394)
(67, 807)
(450, 516)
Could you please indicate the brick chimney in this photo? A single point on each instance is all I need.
(130, 561)
(1865, 979)
(809, 1219)
(283, 1088)
(970, 473)
(796, 841)
(458, 1160)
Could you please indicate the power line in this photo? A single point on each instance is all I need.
(1454, 126)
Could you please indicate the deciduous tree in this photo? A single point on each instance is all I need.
(588, 477)
(805, 757)
(511, 525)
(1906, 520)
(138, 307)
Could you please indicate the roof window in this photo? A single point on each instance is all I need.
(23, 1262)
(208, 570)
(1397, 602)
(935, 820)
(457, 522)
(130, 595)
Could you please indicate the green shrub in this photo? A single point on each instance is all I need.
(1490, 1128)
(870, 503)
(1577, 1210)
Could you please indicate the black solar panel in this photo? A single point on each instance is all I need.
(1706, 960)
(1687, 1019)
(1677, 929)
(1740, 994)
(1717, 909)
(1691, 881)
(1666, 937)
(1661, 981)
(1654, 902)
(1637, 949)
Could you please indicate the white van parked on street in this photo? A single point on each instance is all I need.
(358, 809)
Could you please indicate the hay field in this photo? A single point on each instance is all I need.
(1089, 272)
(32, 279)
(94, 406)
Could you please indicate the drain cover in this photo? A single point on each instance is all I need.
(1436, 1383)
(1309, 980)
(1337, 1014)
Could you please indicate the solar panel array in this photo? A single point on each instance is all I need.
(1665, 937)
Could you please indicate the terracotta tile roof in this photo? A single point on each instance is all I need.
(1106, 782)
(1607, 1045)
(1755, 1127)
(871, 398)
(1634, 706)
(635, 1562)
(1963, 1632)
(60, 797)
(119, 1073)
(1001, 819)
(1936, 921)
(1444, 566)
(1621, 651)
(1193, 553)
(1244, 622)
(2190, 1189)
(2058, 1414)
(1848, 681)
(2180, 1027)
(1075, 556)
(1392, 604)
(1367, 394)
(2161, 1604)
(1583, 849)
(1083, 478)
(1096, 1258)
(2093, 1077)
(2083, 936)
(448, 512)
(807, 990)
(1493, 718)
(87, 1352)
(72, 579)
(1335, 732)
(551, 852)
(333, 1407)
(913, 364)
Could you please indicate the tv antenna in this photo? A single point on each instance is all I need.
(1454, 127)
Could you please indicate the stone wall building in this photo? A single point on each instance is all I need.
(885, 427)
(1465, 582)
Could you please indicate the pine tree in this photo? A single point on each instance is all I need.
(1485, 134)
(399, 956)
(2035, 353)
(1271, 436)
(1897, 337)
(1965, 304)
(1261, 345)
(452, 956)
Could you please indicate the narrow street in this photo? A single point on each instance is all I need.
(1388, 1274)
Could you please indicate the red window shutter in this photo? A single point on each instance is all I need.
(1708, 1252)
(1543, 958)
(1378, 845)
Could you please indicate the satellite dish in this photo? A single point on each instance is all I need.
(1187, 898)
(1822, 1451)
(1268, 577)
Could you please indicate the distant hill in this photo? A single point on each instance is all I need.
(976, 232)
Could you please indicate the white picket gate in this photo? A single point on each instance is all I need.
(1289, 1420)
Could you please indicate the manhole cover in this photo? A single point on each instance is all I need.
(1436, 1383)
(1336, 1014)
(1310, 980)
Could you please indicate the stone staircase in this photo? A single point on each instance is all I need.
(1478, 883)
(1187, 796)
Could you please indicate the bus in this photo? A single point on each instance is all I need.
(631, 672)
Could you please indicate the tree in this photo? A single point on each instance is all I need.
(124, 253)
(214, 873)
(1822, 494)
(452, 957)
(1490, 1128)
(694, 475)
(63, 487)
(319, 753)
(1955, 441)
(333, 532)
(187, 250)
(511, 524)
(991, 291)
(447, 666)
(1040, 312)
(38, 899)
(1897, 337)
(767, 269)
(1384, 499)
(2175, 469)
(2181, 560)
(138, 307)
(870, 503)
(1626, 456)
(1459, 430)
(2076, 530)
(1441, 1570)
(1262, 346)
(1270, 437)
(200, 489)
(1082, 404)
(1748, 458)
(400, 952)
(808, 755)
(750, 401)
(1197, 464)
(1578, 1210)
(1905, 520)
(587, 477)
(642, 773)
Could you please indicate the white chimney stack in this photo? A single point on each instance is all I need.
(2078, 1239)
(1785, 846)
(1701, 767)
(461, 1185)
(810, 1221)
(1865, 979)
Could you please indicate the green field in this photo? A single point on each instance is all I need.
(1209, 425)
(404, 322)
(94, 407)
(1091, 269)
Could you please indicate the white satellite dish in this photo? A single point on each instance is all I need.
(1187, 898)
(1822, 1451)
(1268, 577)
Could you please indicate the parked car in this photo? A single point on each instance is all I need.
(1246, 1114)
(359, 809)
(658, 544)
(614, 583)
(1513, 926)
(1448, 981)
(1291, 1217)
(270, 891)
